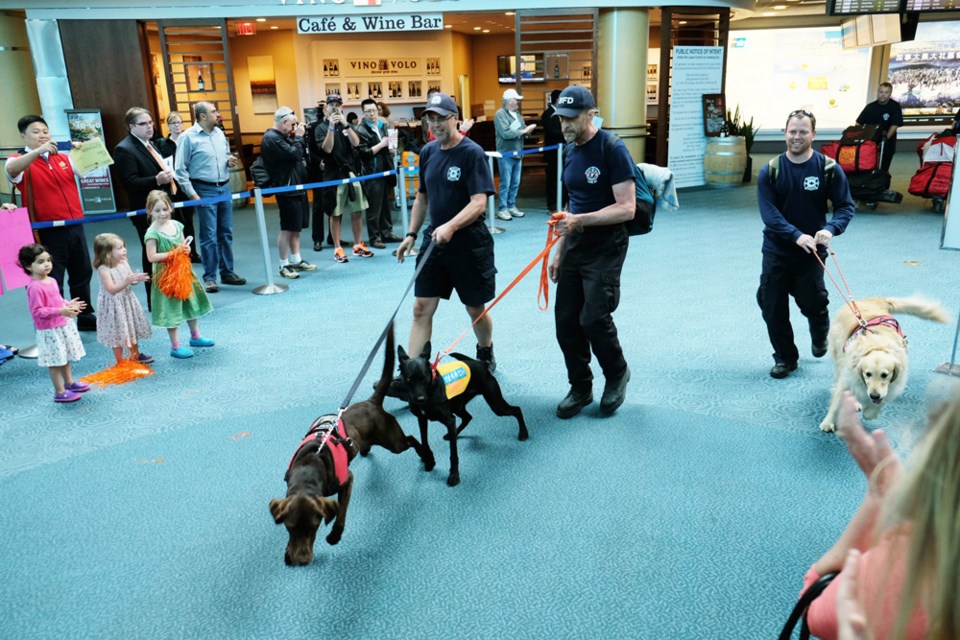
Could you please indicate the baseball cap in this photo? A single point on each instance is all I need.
(511, 94)
(334, 97)
(442, 104)
(573, 100)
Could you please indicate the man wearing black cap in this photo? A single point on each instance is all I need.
(589, 256)
(337, 142)
(455, 182)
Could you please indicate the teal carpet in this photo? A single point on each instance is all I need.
(141, 511)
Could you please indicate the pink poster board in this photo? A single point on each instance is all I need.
(14, 233)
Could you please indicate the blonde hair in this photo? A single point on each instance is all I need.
(928, 498)
(154, 197)
(103, 246)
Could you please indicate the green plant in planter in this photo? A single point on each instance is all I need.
(740, 126)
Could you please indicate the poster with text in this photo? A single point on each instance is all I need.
(696, 71)
(925, 72)
(96, 188)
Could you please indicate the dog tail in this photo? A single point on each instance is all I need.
(920, 307)
(380, 389)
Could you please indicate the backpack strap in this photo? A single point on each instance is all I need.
(829, 165)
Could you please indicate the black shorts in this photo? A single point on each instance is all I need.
(294, 212)
(466, 264)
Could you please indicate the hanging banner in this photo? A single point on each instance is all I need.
(96, 187)
(696, 71)
(370, 24)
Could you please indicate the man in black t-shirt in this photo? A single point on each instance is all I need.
(455, 182)
(589, 256)
(887, 115)
(337, 142)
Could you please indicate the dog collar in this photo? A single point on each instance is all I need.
(885, 321)
(336, 442)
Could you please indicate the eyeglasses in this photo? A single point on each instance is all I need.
(142, 124)
(370, 110)
(434, 120)
(800, 112)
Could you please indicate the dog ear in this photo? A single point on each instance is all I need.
(278, 508)
(402, 355)
(896, 372)
(325, 507)
(427, 350)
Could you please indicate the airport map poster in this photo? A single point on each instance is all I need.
(696, 71)
(925, 73)
(810, 71)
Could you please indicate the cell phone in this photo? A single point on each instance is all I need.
(64, 145)
(336, 111)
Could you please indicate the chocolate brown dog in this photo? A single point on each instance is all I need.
(428, 398)
(319, 467)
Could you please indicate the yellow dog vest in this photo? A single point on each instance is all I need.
(456, 377)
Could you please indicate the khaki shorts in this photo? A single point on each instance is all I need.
(345, 204)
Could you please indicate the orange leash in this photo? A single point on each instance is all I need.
(544, 288)
(848, 296)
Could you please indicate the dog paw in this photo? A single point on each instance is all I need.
(428, 465)
(453, 480)
(523, 436)
(828, 426)
(333, 537)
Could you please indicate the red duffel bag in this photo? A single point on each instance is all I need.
(932, 180)
(853, 158)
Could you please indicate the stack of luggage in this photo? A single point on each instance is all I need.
(932, 180)
(858, 153)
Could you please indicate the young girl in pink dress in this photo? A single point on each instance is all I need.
(121, 321)
(58, 342)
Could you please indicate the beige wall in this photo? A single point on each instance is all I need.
(484, 71)
(279, 45)
(20, 87)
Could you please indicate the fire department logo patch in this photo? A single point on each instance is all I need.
(592, 174)
(811, 183)
(453, 174)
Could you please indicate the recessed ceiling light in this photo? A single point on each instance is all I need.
(779, 7)
(476, 28)
(486, 30)
(767, 14)
(261, 19)
(510, 13)
(274, 27)
(682, 22)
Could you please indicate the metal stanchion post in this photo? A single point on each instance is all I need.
(404, 213)
(950, 367)
(269, 288)
(30, 353)
(491, 205)
(559, 178)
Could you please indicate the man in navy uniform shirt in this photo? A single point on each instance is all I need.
(887, 115)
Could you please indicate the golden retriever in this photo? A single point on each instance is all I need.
(872, 363)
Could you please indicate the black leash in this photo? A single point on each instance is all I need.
(383, 334)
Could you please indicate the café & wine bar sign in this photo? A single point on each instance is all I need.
(366, 24)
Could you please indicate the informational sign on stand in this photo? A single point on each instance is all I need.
(696, 71)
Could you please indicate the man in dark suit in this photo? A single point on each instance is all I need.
(552, 134)
(141, 169)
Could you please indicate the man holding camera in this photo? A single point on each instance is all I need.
(337, 143)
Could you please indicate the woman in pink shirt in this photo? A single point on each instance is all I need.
(904, 538)
(58, 342)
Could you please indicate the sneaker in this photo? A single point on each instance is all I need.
(576, 400)
(66, 396)
(503, 214)
(200, 341)
(361, 250)
(78, 387)
(303, 265)
(614, 393)
(144, 358)
(516, 213)
(232, 278)
(210, 286)
(181, 353)
(340, 256)
(287, 271)
(485, 355)
(782, 370)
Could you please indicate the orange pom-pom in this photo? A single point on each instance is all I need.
(176, 280)
(120, 373)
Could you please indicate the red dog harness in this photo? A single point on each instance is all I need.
(886, 321)
(329, 430)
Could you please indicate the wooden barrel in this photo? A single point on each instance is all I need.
(724, 161)
(238, 184)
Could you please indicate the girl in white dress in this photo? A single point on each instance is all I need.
(121, 321)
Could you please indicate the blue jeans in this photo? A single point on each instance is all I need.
(215, 224)
(509, 181)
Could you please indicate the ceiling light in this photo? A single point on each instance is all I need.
(779, 7)
(682, 22)
(274, 27)
(510, 13)
(476, 28)
(767, 14)
(261, 19)
(448, 26)
(486, 30)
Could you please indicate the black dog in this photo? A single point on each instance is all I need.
(318, 468)
(427, 395)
